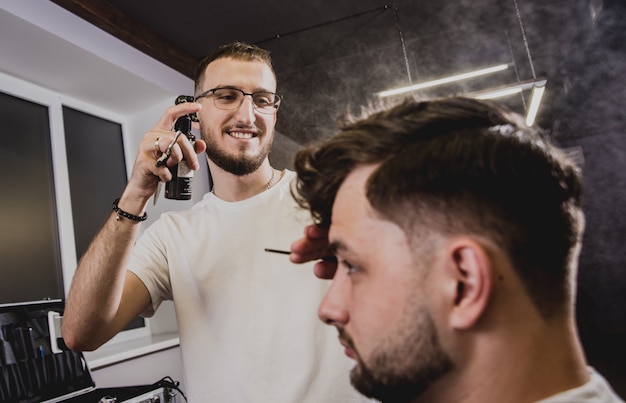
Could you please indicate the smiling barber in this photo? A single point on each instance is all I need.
(247, 318)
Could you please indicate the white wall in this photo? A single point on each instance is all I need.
(145, 370)
(46, 45)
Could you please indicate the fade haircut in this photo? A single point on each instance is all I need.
(235, 50)
(461, 166)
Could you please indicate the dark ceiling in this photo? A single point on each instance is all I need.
(330, 55)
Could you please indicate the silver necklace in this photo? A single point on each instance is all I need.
(269, 184)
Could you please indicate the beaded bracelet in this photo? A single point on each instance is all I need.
(122, 213)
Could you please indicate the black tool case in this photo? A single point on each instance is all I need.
(36, 366)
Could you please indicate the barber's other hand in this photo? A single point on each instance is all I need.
(146, 175)
(314, 246)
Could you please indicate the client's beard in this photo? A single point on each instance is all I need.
(403, 368)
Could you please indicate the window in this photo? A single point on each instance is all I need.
(97, 174)
(64, 167)
(29, 241)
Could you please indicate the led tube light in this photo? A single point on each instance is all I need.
(445, 80)
(535, 101)
(499, 93)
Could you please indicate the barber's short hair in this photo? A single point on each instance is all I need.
(461, 166)
(235, 50)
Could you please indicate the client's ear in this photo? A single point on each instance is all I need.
(470, 267)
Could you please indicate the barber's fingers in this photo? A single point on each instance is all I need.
(312, 246)
(325, 265)
(146, 174)
(174, 112)
(325, 269)
(169, 149)
(315, 231)
(163, 156)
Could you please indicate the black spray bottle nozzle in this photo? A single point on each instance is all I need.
(184, 98)
(187, 98)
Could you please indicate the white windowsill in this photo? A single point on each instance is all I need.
(118, 352)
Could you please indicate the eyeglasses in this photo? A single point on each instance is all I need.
(232, 98)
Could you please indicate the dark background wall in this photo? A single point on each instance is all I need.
(578, 46)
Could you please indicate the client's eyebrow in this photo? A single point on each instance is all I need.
(337, 246)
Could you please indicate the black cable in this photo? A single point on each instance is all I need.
(277, 36)
(168, 382)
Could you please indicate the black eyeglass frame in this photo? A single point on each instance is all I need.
(277, 98)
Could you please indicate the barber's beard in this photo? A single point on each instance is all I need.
(239, 163)
(405, 365)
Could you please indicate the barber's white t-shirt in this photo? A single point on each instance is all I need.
(247, 319)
